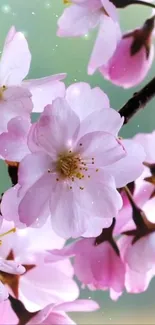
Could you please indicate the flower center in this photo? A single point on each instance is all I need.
(68, 165)
(2, 89)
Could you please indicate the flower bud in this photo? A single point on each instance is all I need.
(132, 58)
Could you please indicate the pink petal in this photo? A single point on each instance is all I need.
(13, 144)
(11, 267)
(95, 226)
(37, 241)
(77, 305)
(107, 268)
(7, 314)
(56, 255)
(16, 102)
(136, 260)
(147, 140)
(103, 147)
(73, 223)
(77, 20)
(149, 208)
(32, 139)
(53, 125)
(32, 168)
(107, 120)
(10, 211)
(45, 90)
(3, 294)
(136, 282)
(84, 100)
(30, 208)
(101, 185)
(129, 167)
(105, 44)
(46, 284)
(45, 317)
(99, 198)
(10, 35)
(110, 9)
(130, 70)
(124, 219)
(15, 59)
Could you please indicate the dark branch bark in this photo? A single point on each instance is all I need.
(123, 4)
(138, 101)
(23, 315)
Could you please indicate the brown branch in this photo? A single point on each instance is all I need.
(138, 101)
(123, 4)
(23, 315)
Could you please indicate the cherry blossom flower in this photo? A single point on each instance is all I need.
(41, 284)
(72, 162)
(56, 314)
(136, 51)
(14, 94)
(96, 265)
(82, 16)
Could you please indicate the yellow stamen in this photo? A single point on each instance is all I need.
(68, 166)
(2, 89)
(67, 2)
(8, 232)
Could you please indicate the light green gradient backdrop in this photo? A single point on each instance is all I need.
(37, 18)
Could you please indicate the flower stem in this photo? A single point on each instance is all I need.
(138, 101)
(23, 315)
(137, 213)
(123, 4)
(143, 3)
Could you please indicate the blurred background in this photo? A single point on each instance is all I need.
(38, 20)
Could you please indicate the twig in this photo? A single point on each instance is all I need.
(138, 101)
(123, 4)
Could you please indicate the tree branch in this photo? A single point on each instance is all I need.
(138, 101)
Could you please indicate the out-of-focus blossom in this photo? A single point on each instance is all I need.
(41, 284)
(132, 58)
(96, 265)
(14, 94)
(82, 16)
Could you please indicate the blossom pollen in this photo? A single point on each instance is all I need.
(2, 89)
(8, 232)
(67, 2)
(68, 166)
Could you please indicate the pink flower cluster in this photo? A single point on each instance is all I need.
(73, 177)
(124, 59)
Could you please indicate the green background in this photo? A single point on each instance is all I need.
(38, 19)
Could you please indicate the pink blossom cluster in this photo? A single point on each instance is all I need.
(122, 58)
(73, 177)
